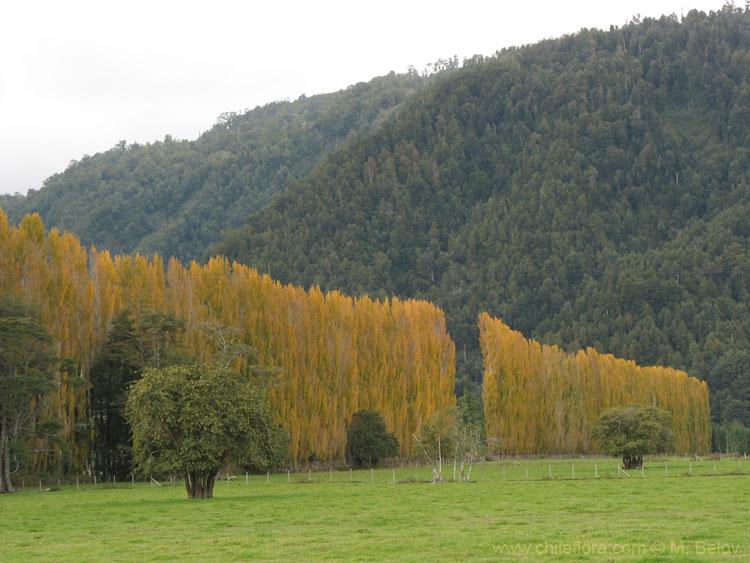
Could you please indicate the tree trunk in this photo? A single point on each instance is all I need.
(632, 462)
(200, 484)
(5, 484)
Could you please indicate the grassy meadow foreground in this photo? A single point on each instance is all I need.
(649, 516)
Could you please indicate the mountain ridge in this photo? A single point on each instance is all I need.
(176, 197)
(588, 190)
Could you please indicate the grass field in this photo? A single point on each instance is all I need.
(650, 516)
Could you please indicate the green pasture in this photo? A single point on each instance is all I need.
(683, 513)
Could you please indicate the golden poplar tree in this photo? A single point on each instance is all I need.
(538, 399)
(336, 355)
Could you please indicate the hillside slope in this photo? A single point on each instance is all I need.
(589, 191)
(176, 197)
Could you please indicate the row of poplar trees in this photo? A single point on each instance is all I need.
(539, 399)
(332, 355)
(335, 355)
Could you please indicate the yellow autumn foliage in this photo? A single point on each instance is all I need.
(338, 354)
(540, 400)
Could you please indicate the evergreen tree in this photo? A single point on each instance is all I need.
(26, 374)
(367, 440)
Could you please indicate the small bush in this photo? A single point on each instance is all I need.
(367, 440)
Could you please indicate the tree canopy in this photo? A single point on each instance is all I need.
(632, 431)
(195, 419)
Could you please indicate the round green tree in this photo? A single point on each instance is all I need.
(367, 440)
(631, 431)
(196, 419)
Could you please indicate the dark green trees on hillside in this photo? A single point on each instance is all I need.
(176, 197)
(589, 191)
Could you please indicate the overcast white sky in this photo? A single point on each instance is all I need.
(77, 76)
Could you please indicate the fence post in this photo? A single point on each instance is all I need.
(596, 471)
(573, 467)
(503, 471)
(527, 469)
(268, 477)
(372, 476)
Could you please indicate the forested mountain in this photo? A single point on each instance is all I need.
(176, 197)
(591, 190)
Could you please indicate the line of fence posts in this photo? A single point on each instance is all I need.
(393, 480)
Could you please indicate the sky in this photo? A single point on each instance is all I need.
(78, 76)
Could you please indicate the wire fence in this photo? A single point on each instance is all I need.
(477, 471)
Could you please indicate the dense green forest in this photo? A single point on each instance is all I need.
(591, 190)
(176, 197)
